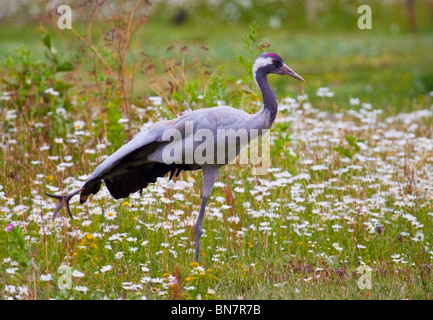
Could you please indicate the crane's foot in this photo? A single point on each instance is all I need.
(63, 200)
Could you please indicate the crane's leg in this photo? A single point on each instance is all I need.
(210, 175)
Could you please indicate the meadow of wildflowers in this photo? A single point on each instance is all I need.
(345, 210)
(345, 190)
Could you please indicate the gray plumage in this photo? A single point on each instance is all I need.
(141, 161)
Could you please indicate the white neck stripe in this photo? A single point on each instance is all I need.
(259, 63)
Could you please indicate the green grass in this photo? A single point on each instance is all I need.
(393, 71)
(283, 244)
(350, 185)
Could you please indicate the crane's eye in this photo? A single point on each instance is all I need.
(274, 61)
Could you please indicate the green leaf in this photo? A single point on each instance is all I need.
(246, 63)
(114, 129)
(65, 66)
(344, 152)
(46, 39)
(176, 95)
(284, 126)
(351, 140)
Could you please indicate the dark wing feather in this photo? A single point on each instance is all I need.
(132, 173)
(126, 165)
(134, 180)
(138, 178)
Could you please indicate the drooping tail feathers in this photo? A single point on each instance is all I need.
(122, 185)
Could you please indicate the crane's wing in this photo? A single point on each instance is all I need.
(130, 168)
(139, 162)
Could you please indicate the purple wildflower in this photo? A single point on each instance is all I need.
(9, 227)
(340, 272)
(379, 229)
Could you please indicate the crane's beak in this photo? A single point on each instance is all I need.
(285, 70)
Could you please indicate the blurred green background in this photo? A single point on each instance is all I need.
(390, 66)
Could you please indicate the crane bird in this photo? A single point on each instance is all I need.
(142, 160)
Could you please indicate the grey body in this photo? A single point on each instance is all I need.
(212, 119)
(140, 162)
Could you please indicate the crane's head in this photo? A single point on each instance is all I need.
(272, 63)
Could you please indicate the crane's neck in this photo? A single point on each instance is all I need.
(269, 109)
